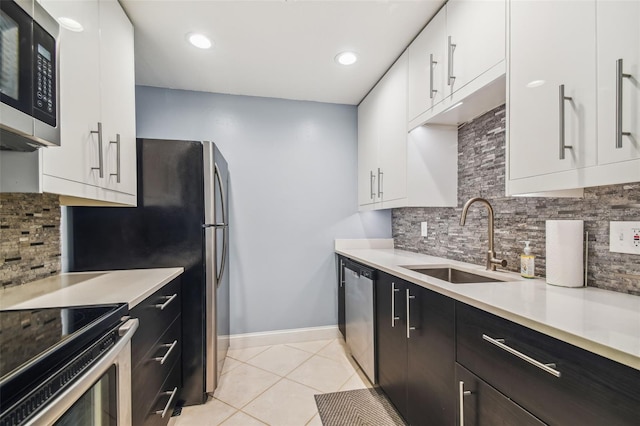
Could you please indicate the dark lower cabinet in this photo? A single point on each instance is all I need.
(557, 382)
(341, 298)
(156, 356)
(481, 405)
(416, 350)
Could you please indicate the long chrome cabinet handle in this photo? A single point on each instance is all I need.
(409, 328)
(162, 359)
(380, 183)
(451, 49)
(117, 173)
(620, 75)
(461, 394)
(549, 368)
(100, 167)
(170, 299)
(372, 177)
(394, 318)
(432, 91)
(166, 407)
(561, 99)
(341, 274)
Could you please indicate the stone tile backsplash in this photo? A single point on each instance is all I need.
(29, 237)
(481, 173)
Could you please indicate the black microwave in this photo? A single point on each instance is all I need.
(29, 116)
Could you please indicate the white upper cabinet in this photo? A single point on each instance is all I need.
(382, 139)
(476, 31)
(117, 77)
(396, 168)
(618, 85)
(79, 95)
(392, 145)
(428, 66)
(97, 107)
(457, 63)
(595, 126)
(551, 49)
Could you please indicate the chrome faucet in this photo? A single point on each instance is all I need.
(491, 254)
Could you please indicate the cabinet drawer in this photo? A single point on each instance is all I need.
(154, 319)
(148, 376)
(164, 400)
(485, 406)
(590, 389)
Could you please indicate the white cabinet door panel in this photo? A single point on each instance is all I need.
(478, 31)
(392, 146)
(118, 96)
(618, 38)
(550, 47)
(367, 149)
(431, 43)
(79, 95)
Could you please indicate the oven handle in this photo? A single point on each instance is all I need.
(119, 354)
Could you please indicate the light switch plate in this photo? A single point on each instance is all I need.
(624, 237)
(423, 229)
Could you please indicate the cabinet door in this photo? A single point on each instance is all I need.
(78, 157)
(117, 79)
(391, 339)
(618, 39)
(426, 78)
(485, 406)
(392, 145)
(549, 48)
(368, 149)
(430, 357)
(478, 30)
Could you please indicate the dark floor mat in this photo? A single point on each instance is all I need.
(362, 407)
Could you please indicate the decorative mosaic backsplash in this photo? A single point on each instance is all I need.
(481, 173)
(29, 237)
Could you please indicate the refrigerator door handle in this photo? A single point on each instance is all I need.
(224, 225)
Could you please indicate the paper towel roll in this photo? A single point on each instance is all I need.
(565, 253)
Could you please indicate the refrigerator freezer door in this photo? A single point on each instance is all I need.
(217, 253)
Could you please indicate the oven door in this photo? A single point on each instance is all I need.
(102, 396)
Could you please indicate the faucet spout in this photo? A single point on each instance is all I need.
(492, 261)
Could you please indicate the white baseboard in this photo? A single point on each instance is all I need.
(279, 337)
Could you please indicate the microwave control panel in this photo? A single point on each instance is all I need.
(44, 76)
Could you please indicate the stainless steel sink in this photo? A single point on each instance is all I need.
(452, 275)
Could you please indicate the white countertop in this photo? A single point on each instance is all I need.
(88, 288)
(600, 321)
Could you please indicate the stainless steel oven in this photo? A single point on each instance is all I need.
(67, 366)
(28, 76)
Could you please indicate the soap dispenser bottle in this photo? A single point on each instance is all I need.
(527, 262)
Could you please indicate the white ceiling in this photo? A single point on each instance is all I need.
(281, 49)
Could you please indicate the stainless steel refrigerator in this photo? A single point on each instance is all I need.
(181, 220)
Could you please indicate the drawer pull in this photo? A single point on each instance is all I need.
(166, 407)
(549, 368)
(461, 394)
(161, 306)
(162, 359)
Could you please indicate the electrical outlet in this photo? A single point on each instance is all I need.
(423, 229)
(624, 237)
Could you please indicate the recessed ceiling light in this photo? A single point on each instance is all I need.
(199, 40)
(70, 24)
(346, 58)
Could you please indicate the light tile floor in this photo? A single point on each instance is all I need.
(275, 385)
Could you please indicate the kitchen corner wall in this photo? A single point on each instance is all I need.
(29, 237)
(293, 190)
(481, 173)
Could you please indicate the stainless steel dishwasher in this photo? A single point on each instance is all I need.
(360, 316)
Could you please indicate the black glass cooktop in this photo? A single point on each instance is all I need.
(36, 343)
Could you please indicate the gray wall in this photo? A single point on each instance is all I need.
(481, 173)
(293, 191)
